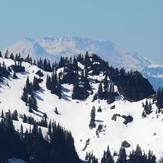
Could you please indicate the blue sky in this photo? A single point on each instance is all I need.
(136, 25)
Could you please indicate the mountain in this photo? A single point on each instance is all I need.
(100, 105)
(53, 48)
(154, 73)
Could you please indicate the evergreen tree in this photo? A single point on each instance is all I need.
(8, 115)
(59, 90)
(48, 82)
(6, 54)
(32, 103)
(85, 79)
(100, 90)
(21, 129)
(92, 118)
(24, 96)
(24, 118)
(2, 114)
(56, 111)
(12, 56)
(15, 115)
(136, 156)
(147, 109)
(91, 158)
(122, 158)
(81, 87)
(28, 86)
(14, 75)
(106, 84)
(52, 83)
(107, 157)
(49, 128)
(151, 157)
(35, 84)
(1, 54)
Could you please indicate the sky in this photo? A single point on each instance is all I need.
(135, 25)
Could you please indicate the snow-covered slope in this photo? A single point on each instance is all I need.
(53, 48)
(75, 116)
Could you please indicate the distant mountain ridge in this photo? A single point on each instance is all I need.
(53, 48)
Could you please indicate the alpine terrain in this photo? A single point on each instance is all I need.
(53, 48)
(78, 108)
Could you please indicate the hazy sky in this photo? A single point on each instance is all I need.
(135, 25)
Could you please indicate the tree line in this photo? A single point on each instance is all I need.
(131, 84)
(135, 156)
(31, 146)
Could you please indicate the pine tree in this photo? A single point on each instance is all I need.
(147, 109)
(8, 115)
(53, 83)
(106, 84)
(32, 103)
(6, 54)
(21, 129)
(91, 158)
(85, 79)
(35, 84)
(24, 118)
(14, 75)
(122, 158)
(151, 157)
(1, 54)
(25, 96)
(75, 92)
(12, 56)
(48, 82)
(92, 118)
(28, 86)
(111, 89)
(49, 128)
(2, 114)
(59, 90)
(56, 111)
(107, 157)
(100, 90)
(4, 65)
(15, 115)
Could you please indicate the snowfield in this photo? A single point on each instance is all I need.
(75, 117)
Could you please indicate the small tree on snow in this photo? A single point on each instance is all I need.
(92, 116)
(56, 111)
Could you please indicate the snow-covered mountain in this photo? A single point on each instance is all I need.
(154, 73)
(74, 115)
(53, 48)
